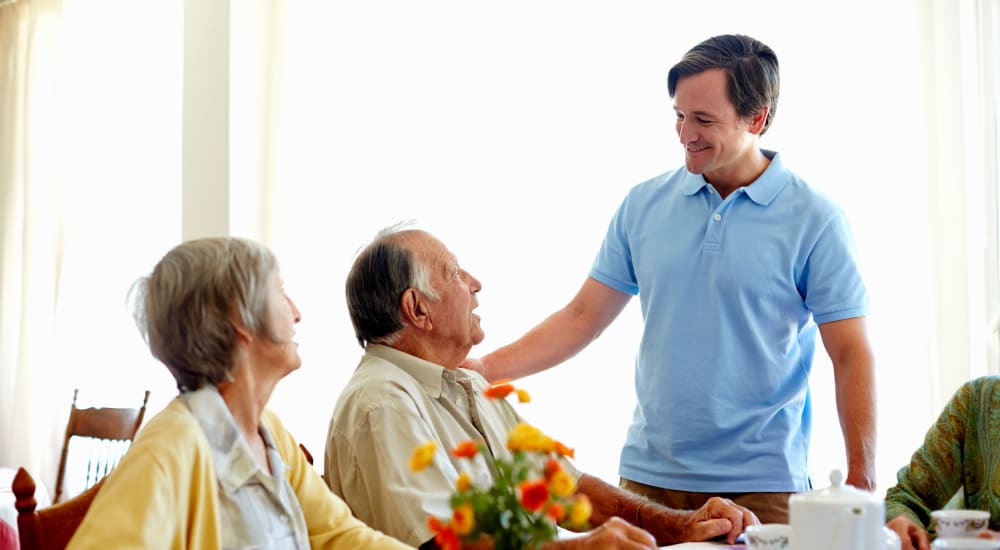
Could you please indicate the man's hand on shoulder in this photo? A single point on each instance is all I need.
(476, 364)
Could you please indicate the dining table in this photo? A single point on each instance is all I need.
(713, 545)
(704, 546)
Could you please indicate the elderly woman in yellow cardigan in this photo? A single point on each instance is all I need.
(215, 468)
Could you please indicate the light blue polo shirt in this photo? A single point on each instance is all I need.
(731, 292)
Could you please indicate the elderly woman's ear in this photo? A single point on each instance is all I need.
(241, 332)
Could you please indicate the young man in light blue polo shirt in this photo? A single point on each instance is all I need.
(737, 263)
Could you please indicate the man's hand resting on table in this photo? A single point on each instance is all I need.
(716, 518)
(612, 534)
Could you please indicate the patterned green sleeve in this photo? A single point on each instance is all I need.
(935, 471)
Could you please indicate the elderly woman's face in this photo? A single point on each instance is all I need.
(277, 343)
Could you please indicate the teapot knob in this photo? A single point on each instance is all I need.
(836, 478)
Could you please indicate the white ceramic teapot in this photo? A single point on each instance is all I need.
(839, 517)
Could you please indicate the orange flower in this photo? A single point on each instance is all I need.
(563, 450)
(422, 456)
(466, 449)
(444, 536)
(463, 483)
(581, 510)
(463, 519)
(435, 524)
(542, 480)
(562, 484)
(534, 493)
(552, 466)
(556, 511)
(498, 391)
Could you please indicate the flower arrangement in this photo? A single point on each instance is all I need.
(531, 492)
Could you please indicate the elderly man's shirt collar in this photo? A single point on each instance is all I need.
(430, 376)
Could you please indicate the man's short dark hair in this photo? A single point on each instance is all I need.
(751, 67)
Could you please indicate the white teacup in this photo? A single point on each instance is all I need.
(959, 523)
(767, 536)
(965, 543)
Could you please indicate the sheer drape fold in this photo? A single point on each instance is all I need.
(30, 233)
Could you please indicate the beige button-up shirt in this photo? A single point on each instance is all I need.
(393, 403)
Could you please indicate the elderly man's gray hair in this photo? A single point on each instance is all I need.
(381, 273)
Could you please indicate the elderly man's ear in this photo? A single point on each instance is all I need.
(414, 309)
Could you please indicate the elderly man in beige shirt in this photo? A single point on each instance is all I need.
(412, 309)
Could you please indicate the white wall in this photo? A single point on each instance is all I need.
(514, 130)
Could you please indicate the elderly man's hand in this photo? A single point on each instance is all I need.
(615, 533)
(911, 535)
(717, 517)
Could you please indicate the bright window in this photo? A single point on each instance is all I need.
(513, 131)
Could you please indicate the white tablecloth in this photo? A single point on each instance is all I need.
(7, 511)
(704, 546)
(564, 534)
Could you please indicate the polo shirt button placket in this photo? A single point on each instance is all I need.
(713, 234)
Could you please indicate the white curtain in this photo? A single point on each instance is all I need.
(90, 195)
(31, 230)
(960, 56)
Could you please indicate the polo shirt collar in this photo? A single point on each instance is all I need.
(429, 375)
(762, 191)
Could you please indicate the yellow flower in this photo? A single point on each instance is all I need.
(423, 455)
(538, 492)
(525, 437)
(562, 484)
(463, 519)
(464, 482)
(581, 510)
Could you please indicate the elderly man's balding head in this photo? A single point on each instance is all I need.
(408, 278)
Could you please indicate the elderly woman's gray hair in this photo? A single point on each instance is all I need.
(380, 275)
(186, 308)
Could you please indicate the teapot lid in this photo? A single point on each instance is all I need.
(837, 493)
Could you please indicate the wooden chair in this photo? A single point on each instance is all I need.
(309, 456)
(114, 427)
(49, 528)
